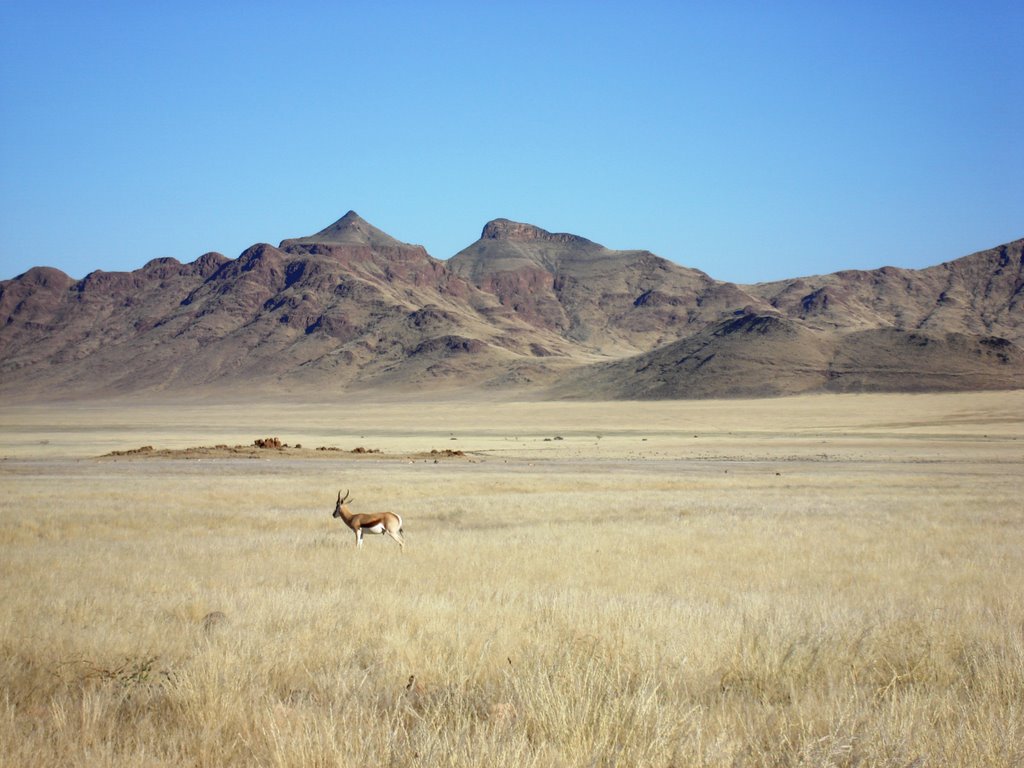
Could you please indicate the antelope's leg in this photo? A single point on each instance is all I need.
(395, 536)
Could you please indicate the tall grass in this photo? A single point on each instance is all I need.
(546, 613)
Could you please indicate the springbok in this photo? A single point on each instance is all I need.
(382, 522)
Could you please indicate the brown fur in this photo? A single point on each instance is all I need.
(391, 524)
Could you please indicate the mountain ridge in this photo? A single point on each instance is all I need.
(521, 309)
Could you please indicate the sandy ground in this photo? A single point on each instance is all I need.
(981, 427)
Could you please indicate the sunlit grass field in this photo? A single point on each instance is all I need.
(801, 582)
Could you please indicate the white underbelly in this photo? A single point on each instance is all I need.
(378, 528)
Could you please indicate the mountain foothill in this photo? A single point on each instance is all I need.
(520, 312)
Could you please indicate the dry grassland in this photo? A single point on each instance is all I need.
(826, 581)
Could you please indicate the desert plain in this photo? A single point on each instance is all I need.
(828, 580)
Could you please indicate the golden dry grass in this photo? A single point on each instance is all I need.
(810, 581)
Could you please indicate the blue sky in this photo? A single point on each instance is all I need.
(752, 140)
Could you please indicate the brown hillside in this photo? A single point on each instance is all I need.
(353, 308)
(892, 360)
(610, 302)
(750, 355)
(757, 355)
(979, 294)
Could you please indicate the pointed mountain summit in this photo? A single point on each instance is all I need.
(350, 229)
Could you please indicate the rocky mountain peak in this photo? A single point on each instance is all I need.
(350, 229)
(505, 229)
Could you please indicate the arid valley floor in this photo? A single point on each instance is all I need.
(822, 580)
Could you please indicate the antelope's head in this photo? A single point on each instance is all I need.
(341, 503)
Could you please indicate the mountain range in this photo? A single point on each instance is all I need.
(521, 310)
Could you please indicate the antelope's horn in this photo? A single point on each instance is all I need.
(343, 500)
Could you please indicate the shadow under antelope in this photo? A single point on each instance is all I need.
(381, 522)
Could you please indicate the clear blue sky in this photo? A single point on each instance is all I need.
(752, 140)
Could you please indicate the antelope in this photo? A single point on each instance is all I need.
(382, 522)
